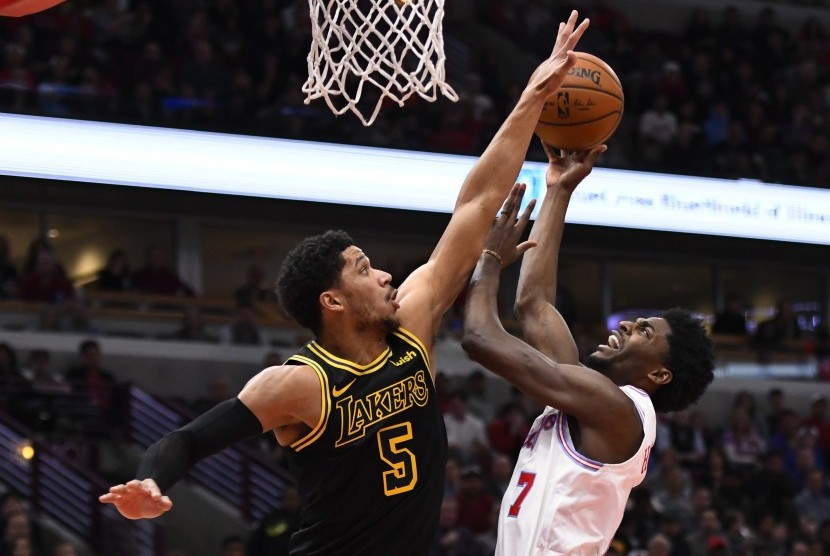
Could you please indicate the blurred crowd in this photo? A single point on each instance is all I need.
(753, 483)
(735, 95)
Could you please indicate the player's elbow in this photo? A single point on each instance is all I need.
(527, 309)
(476, 342)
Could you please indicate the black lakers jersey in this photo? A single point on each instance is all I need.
(371, 473)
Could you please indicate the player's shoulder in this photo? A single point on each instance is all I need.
(285, 378)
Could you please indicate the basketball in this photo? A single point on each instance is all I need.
(586, 109)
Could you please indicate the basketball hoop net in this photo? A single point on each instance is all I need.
(394, 47)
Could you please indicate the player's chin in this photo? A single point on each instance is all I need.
(391, 324)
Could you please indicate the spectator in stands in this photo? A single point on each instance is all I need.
(47, 283)
(271, 535)
(453, 538)
(243, 330)
(219, 390)
(778, 332)
(688, 440)
(501, 471)
(742, 444)
(252, 291)
(91, 380)
(465, 431)
(813, 501)
(233, 545)
(116, 275)
(156, 278)
(787, 442)
(671, 526)
(65, 548)
(11, 380)
(272, 359)
(508, 431)
(192, 326)
(474, 502)
(817, 419)
(18, 527)
(478, 401)
(673, 495)
(8, 273)
(732, 319)
(39, 373)
(775, 411)
(774, 488)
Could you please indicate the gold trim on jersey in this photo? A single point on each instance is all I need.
(325, 405)
(347, 365)
(413, 340)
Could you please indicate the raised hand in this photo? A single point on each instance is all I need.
(508, 228)
(138, 499)
(549, 75)
(568, 169)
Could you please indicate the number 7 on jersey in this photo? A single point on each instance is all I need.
(525, 480)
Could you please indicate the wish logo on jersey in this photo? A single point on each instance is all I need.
(357, 414)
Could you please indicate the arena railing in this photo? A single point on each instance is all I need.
(240, 476)
(68, 494)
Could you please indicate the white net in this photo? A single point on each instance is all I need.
(365, 51)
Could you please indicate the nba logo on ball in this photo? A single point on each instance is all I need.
(588, 106)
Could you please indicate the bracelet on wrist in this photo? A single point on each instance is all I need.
(492, 254)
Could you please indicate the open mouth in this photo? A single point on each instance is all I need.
(391, 298)
(613, 342)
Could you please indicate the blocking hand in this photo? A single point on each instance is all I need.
(137, 499)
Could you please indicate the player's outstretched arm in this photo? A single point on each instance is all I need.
(542, 325)
(436, 285)
(586, 394)
(276, 397)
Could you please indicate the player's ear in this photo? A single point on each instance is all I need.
(660, 376)
(330, 301)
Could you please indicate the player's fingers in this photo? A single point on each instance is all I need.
(165, 503)
(520, 193)
(551, 152)
(108, 498)
(593, 155)
(525, 246)
(118, 489)
(577, 33)
(525, 218)
(569, 26)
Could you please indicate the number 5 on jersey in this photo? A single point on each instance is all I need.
(404, 469)
(525, 480)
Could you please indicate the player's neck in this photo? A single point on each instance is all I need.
(360, 347)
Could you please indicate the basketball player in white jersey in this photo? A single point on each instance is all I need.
(591, 444)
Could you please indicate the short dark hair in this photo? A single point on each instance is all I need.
(87, 345)
(308, 270)
(691, 361)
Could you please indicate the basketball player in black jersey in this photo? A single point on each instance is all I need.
(356, 409)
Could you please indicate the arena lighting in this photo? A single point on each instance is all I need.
(298, 170)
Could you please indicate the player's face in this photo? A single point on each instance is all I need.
(368, 292)
(635, 349)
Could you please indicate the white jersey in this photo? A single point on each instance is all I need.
(559, 501)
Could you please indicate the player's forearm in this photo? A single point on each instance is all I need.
(170, 458)
(499, 166)
(539, 272)
(481, 318)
